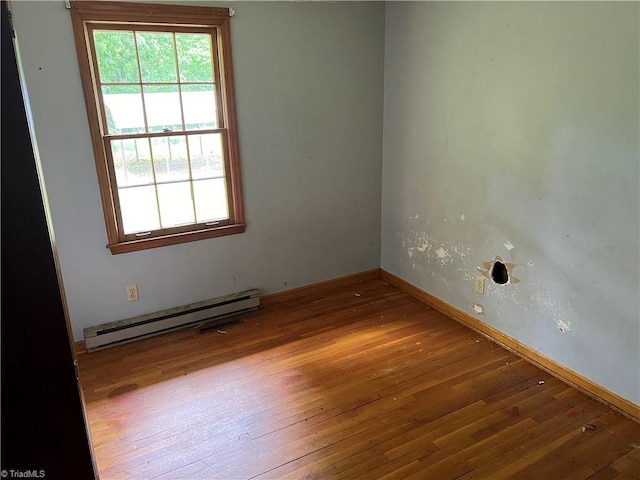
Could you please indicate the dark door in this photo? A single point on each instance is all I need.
(43, 424)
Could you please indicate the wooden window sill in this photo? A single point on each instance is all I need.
(176, 238)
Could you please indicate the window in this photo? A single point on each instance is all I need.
(158, 84)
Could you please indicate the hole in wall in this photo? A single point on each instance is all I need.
(499, 273)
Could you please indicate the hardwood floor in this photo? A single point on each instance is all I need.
(357, 382)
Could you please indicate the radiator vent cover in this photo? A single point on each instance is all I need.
(143, 326)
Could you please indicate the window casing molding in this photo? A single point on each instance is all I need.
(87, 16)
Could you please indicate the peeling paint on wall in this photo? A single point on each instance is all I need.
(425, 253)
(462, 255)
(479, 309)
(548, 307)
(420, 245)
(430, 256)
(563, 326)
(424, 245)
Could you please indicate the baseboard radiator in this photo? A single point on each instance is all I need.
(143, 326)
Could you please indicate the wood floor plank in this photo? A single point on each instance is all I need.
(589, 451)
(360, 381)
(629, 464)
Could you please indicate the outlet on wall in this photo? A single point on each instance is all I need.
(480, 284)
(132, 293)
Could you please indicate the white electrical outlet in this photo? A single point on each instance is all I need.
(480, 284)
(132, 293)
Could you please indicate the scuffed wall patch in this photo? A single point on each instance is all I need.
(447, 262)
(443, 255)
(455, 249)
(427, 254)
(479, 309)
(421, 245)
(542, 302)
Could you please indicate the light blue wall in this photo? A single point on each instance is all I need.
(309, 86)
(517, 123)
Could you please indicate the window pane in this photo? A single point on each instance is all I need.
(132, 162)
(176, 206)
(199, 106)
(163, 108)
(116, 56)
(194, 57)
(170, 158)
(157, 57)
(139, 209)
(211, 200)
(123, 105)
(206, 155)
